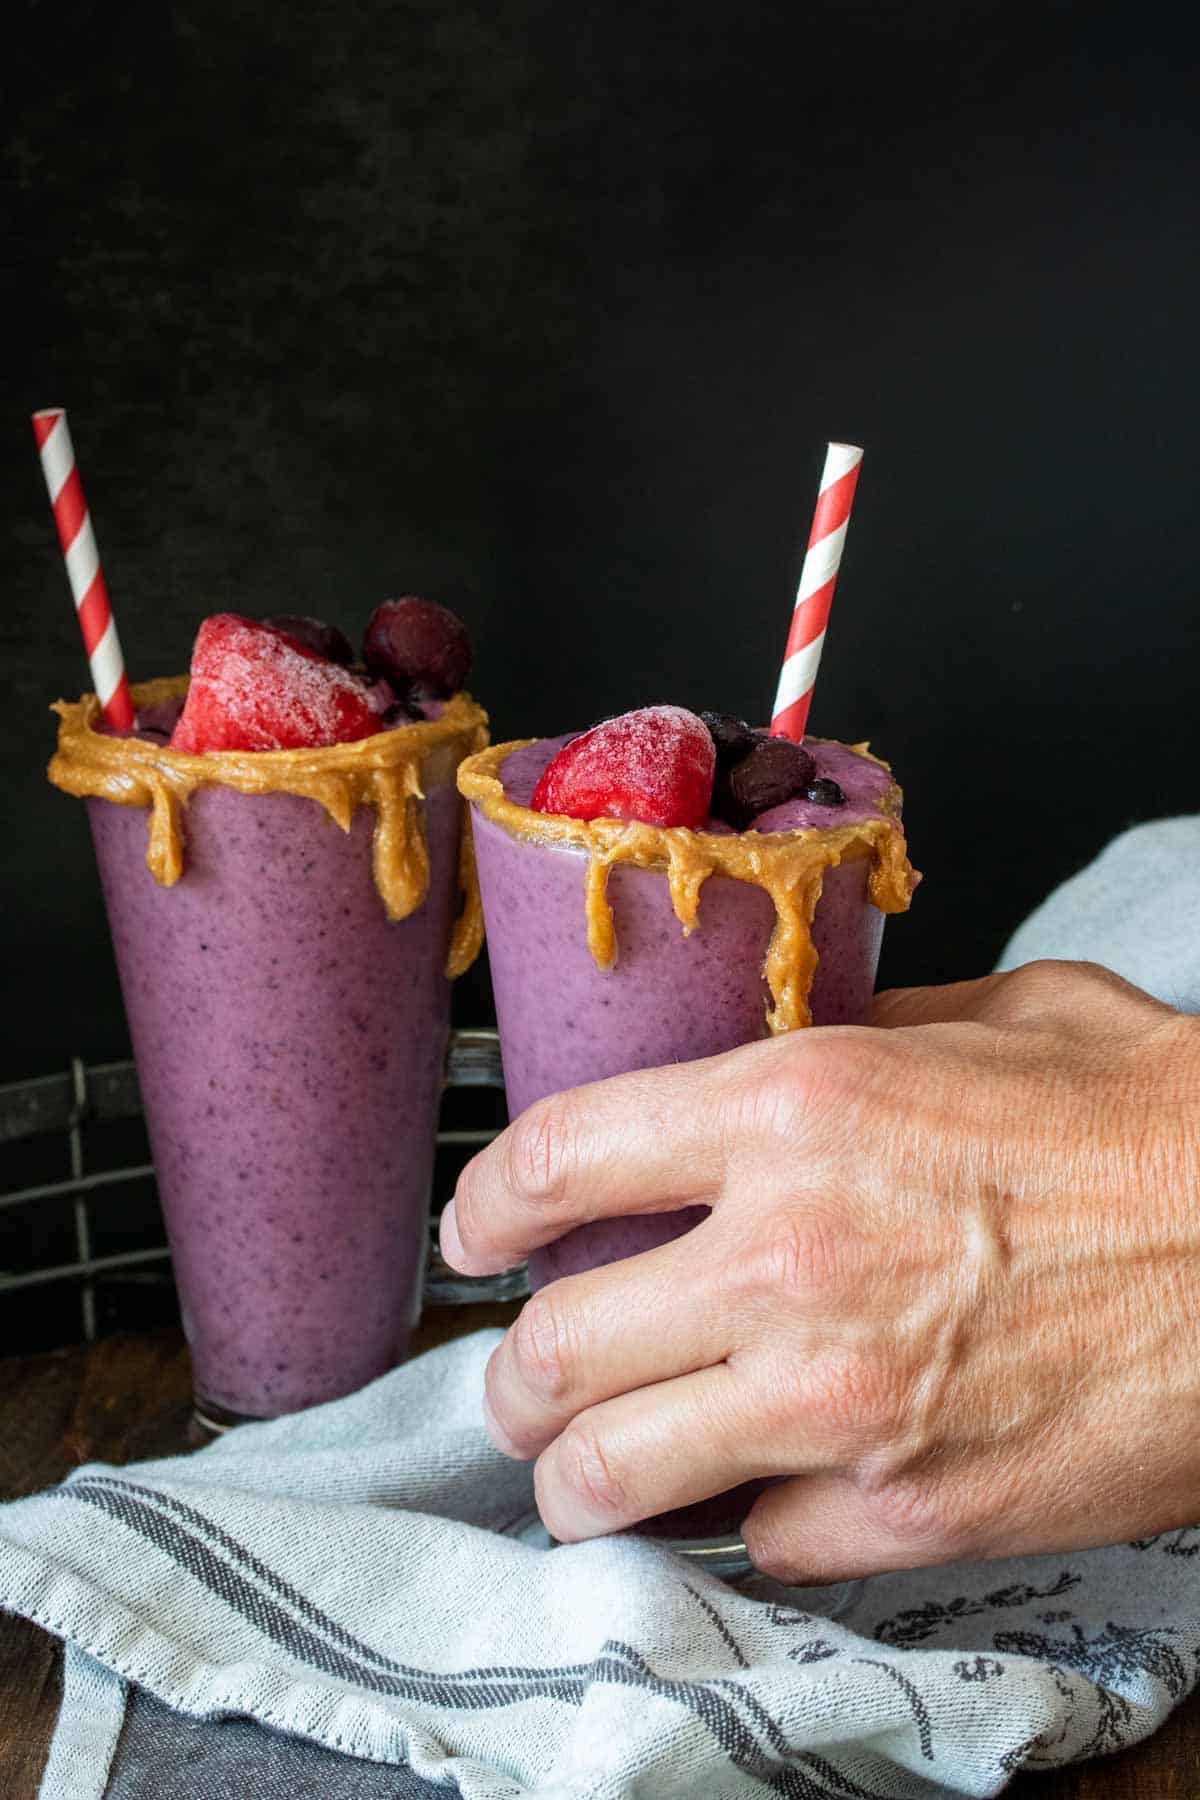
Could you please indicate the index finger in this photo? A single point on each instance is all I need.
(651, 1141)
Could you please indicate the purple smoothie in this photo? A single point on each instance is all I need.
(563, 1021)
(669, 998)
(290, 1042)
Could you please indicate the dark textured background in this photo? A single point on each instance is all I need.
(548, 310)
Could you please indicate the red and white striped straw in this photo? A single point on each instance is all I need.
(818, 578)
(78, 542)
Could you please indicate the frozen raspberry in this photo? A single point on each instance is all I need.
(325, 639)
(256, 688)
(655, 765)
(420, 647)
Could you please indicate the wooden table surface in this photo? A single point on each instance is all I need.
(126, 1398)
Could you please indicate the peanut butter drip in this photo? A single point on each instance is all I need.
(789, 865)
(384, 771)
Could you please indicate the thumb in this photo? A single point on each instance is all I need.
(956, 1001)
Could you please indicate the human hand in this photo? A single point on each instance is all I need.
(948, 1292)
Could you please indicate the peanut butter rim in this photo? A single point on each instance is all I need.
(383, 771)
(789, 865)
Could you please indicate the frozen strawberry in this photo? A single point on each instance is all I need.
(256, 688)
(655, 765)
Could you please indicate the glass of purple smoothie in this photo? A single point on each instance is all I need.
(617, 946)
(285, 940)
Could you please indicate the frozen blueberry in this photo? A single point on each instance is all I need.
(824, 792)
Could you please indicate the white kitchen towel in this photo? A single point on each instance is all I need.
(1136, 909)
(341, 1604)
(343, 1576)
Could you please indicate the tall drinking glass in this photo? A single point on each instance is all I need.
(594, 975)
(285, 924)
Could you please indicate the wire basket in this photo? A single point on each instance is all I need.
(56, 1233)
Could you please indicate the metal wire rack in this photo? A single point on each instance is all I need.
(74, 1103)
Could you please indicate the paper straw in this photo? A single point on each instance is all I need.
(78, 542)
(818, 577)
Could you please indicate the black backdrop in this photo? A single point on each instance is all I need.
(547, 310)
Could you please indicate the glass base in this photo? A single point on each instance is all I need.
(724, 1557)
(218, 1419)
(444, 1286)
(727, 1559)
(833, 1601)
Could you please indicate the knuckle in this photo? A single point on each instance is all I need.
(799, 1104)
(539, 1153)
(1060, 996)
(811, 1089)
(925, 1513)
(542, 1344)
(1028, 975)
(587, 1471)
(1093, 971)
(767, 1103)
(1104, 986)
(1036, 982)
(1050, 982)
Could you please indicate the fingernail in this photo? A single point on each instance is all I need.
(497, 1432)
(449, 1240)
(565, 1516)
